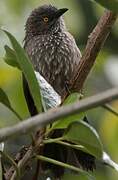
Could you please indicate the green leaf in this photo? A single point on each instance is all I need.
(109, 4)
(27, 68)
(4, 99)
(10, 57)
(72, 98)
(64, 123)
(82, 133)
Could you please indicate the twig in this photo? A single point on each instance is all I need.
(43, 119)
(23, 162)
(14, 164)
(17, 159)
(110, 109)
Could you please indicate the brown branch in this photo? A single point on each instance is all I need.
(93, 47)
(52, 115)
(23, 158)
(20, 156)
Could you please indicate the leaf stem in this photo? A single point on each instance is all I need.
(58, 163)
(47, 141)
(110, 109)
(74, 146)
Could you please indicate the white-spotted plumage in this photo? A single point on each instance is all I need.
(53, 50)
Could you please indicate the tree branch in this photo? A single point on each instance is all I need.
(43, 119)
(93, 47)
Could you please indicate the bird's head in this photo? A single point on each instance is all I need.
(45, 19)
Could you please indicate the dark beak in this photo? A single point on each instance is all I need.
(60, 12)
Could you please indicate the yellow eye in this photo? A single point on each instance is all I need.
(45, 19)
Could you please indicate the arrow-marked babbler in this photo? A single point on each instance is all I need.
(55, 55)
(51, 48)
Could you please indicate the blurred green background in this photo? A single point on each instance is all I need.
(80, 19)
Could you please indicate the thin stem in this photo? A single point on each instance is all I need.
(13, 163)
(61, 142)
(80, 147)
(52, 161)
(48, 141)
(110, 109)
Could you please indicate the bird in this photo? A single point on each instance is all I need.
(56, 56)
(51, 48)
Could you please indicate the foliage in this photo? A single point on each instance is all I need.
(22, 60)
(18, 59)
(110, 4)
(78, 134)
